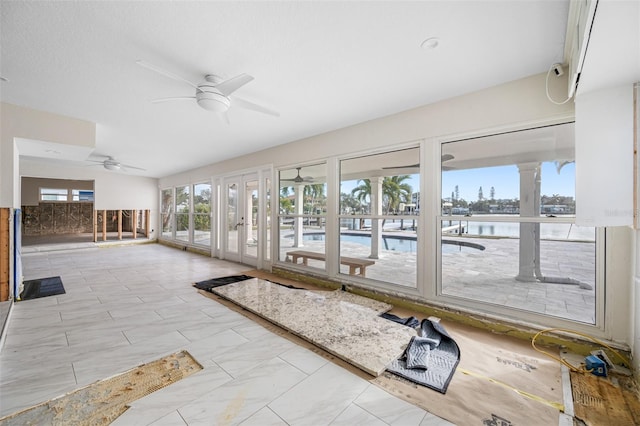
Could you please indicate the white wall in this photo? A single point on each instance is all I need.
(604, 157)
(30, 188)
(25, 123)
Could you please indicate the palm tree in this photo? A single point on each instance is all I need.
(362, 192)
(395, 191)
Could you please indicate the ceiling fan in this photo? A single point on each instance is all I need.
(112, 164)
(298, 178)
(444, 158)
(214, 93)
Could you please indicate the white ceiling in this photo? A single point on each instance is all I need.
(322, 65)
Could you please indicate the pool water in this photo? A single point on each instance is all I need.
(404, 245)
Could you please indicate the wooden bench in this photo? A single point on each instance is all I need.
(356, 265)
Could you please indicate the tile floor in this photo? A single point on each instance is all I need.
(129, 305)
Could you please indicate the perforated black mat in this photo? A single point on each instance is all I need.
(42, 287)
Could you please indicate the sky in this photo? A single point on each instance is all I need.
(504, 179)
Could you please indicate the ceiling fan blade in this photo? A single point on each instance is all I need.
(229, 86)
(411, 166)
(445, 157)
(127, 166)
(224, 117)
(175, 98)
(254, 107)
(166, 73)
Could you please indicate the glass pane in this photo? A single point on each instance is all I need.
(202, 214)
(251, 218)
(398, 173)
(388, 185)
(182, 226)
(267, 253)
(553, 274)
(167, 213)
(528, 173)
(82, 195)
(302, 220)
(182, 199)
(547, 268)
(390, 258)
(49, 194)
(182, 213)
(232, 218)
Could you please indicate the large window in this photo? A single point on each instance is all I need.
(63, 194)
(202, 214)
(508, 236)
(379, 207)
(302, 215)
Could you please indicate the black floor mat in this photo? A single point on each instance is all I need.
(217, 282)
(42, 287)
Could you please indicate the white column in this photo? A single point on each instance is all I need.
(376, 209)
(529, 207)
(298, 227)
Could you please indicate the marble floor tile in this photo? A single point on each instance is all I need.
(239, 399)
(252, 355)
(304, 359)
(390, 409)
(328, 392)
(207, 348)
(106, 364)
(41, 384)
(264, 417)
(354, 415)
(169, 399)
(172, 419)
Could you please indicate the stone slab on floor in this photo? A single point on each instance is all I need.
(344, 324)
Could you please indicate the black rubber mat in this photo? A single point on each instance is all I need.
(41, 287)
(217, 282)
(429, 360)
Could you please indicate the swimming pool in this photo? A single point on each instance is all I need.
(399, 243)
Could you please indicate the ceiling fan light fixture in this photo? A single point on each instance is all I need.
(111, 165)
(212, 101)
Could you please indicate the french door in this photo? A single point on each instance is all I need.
(244, 207)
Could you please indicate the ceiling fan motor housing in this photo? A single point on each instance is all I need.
(210, 98)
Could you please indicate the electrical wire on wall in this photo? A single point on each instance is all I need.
(557, 69)
(567, 364)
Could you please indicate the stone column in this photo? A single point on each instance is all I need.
(376, 209)
(298, 223)
(529, 207)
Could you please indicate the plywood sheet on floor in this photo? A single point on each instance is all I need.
(500, 380)
(341, 323)
(599, 401)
